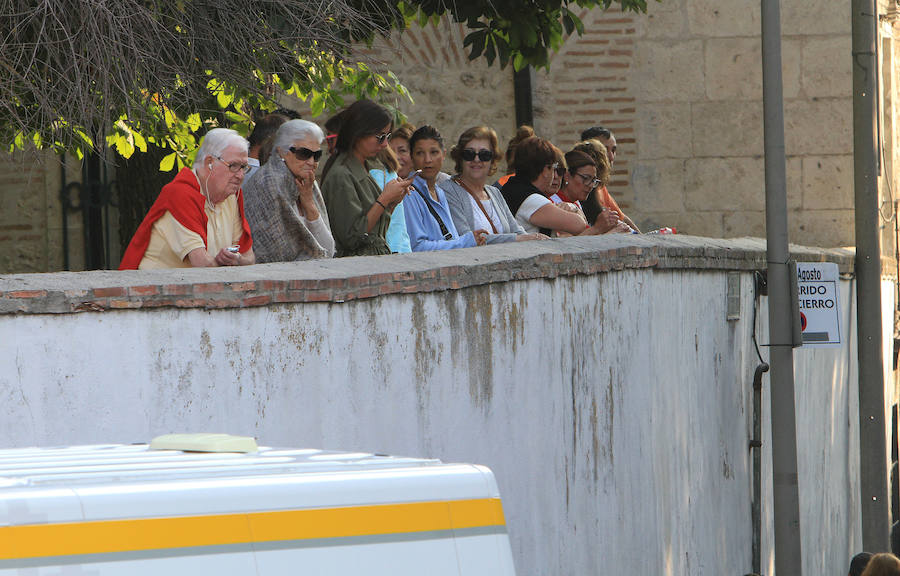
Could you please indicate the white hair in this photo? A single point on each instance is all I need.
(294, 130)
(217, 140)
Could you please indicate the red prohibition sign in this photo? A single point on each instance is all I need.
(802, 321)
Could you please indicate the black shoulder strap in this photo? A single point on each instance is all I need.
(444, 231)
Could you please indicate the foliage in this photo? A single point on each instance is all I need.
(77, 76)
(524, 33)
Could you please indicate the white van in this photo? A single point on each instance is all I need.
(133, 510)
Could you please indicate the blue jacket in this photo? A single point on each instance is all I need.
(424, 231)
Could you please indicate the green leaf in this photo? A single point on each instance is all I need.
(568, 22)
(234, 116)
(519, 62)
(168, 162)
(490, 51)
(194, 122)
(477, 40)
(169, 117)
(124, 146)
(317, 104)
(223, 98)
(139, 141)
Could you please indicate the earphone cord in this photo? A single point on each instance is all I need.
(204, 190)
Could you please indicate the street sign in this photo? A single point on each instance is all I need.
(820, 311)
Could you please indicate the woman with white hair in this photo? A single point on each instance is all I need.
(198, 218)
(285, 207)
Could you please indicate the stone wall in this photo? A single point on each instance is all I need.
(599, 378)
(702, 125)
(31, 215)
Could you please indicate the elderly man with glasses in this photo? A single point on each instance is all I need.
(198, 219)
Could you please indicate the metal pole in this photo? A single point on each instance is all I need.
(523, 92)
(873, 464)
(788, 557)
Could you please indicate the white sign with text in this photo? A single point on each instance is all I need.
(820, 310)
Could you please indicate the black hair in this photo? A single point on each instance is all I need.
(266, 127)
(425, 132)
(596, 132)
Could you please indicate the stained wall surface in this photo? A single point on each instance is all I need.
(614, 407)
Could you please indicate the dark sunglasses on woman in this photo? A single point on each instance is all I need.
(484, 155)
(304, 154)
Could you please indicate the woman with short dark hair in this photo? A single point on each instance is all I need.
(360, 211)
(428, 220)
(540, 167)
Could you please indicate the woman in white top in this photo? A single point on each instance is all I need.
(475, 205)
(540, 167)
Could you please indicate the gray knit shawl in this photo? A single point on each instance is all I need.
(270, 205)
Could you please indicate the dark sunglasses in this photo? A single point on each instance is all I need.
(382, 137)
(560, 170)
(484, 155)
(304, 154)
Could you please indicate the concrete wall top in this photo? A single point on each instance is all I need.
(340, 280)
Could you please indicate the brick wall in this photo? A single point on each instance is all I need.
(589, 83)
(361, 278)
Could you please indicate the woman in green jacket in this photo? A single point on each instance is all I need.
(360, 211)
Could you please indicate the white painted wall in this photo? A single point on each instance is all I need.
(615, 409)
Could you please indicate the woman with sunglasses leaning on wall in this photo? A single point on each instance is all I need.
(474, 204)
(284, 206)
(359, 210)
(539, 172)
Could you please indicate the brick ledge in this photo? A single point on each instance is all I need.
(346, 279)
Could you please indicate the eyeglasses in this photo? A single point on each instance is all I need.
(589, 181)
(234, 167)
(383, 137)
(304, 154)
(484, 155)
(560, 170)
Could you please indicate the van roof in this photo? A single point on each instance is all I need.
(108, 481)
(123, 463)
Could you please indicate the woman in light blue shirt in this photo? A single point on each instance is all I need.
(396, 236)
(428, 220)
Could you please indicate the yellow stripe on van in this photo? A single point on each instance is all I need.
(108, 536)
